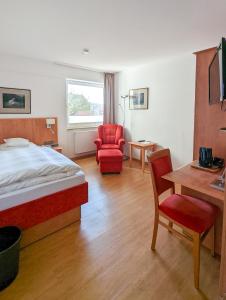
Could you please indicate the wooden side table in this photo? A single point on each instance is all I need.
(58, 149)
(142, 146)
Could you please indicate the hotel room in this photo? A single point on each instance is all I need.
(112, 150)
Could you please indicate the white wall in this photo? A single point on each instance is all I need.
(48, 90)
(170, 117)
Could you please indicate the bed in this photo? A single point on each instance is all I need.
(41, 190)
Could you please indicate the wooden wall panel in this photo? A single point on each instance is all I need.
(33, 129)
(223, 256)
(208, 118)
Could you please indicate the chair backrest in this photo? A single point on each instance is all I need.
(110, 133)
(160, 164)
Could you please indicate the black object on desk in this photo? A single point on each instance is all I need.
(205, 157)
(218, 162)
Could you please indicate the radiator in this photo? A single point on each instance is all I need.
(84, 141)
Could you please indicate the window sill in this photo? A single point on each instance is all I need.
(83, 126)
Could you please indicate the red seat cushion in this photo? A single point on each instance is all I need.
(190, 212)
(109, 146)
(109, 155)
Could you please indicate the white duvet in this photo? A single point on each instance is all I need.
(22, 167)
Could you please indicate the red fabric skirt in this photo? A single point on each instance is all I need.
(37, 211)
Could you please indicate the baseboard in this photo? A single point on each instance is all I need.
(85, 155)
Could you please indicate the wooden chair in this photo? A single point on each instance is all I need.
(194, 216)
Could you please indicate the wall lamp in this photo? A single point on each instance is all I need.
(49, 123)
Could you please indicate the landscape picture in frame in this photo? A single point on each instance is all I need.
(138, 98)
(15, 101)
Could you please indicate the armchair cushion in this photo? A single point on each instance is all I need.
(109, 146)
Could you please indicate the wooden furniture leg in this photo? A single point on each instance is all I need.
(196, 258)
(171, 226)
(212, 234)
(155, 231)
(142, 159)
(140, 155)
(130, 154)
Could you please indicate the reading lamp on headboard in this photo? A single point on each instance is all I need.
(49, 123)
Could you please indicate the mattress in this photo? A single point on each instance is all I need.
(23, 167)
(37, 191)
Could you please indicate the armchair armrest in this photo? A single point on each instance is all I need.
(121, 142)
(98, 142)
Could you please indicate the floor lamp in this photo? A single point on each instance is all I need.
(125, 157)
(124, 108)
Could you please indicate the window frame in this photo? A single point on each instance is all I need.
(84, 83)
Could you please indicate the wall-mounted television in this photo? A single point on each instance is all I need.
(217, 75)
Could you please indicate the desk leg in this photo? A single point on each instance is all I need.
(140, 149)
(142, 158)
(222, 284)
(130, 155)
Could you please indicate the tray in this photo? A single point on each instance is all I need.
(214, 169)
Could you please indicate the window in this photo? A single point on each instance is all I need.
(84, 103)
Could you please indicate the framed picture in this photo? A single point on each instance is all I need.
(15, 101)
(138, 98)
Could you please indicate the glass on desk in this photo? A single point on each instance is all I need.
(219, 183)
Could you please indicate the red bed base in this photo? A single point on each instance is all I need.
(37, 211)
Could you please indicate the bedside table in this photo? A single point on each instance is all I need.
(58, 149)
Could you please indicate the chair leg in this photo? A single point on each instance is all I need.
(212, 232)
(155, 231)
(196, 258)
(171, 226)
(97, 160)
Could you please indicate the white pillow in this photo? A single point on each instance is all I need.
(16, 142)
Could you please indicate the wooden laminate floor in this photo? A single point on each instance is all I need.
(107, 256)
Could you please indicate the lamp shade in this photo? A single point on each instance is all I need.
(50, 122)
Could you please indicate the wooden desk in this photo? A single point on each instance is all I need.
(142, 147)
(196, 183)
(199, 181)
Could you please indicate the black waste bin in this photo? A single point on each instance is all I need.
(9, 254)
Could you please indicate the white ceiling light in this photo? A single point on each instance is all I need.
(85, 51)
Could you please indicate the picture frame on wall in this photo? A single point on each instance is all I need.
(138, 98)
(15, 101)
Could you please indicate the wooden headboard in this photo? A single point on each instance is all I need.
(33, 129)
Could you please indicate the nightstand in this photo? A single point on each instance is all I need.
(58, 149)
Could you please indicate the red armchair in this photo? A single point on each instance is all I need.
(110, 136)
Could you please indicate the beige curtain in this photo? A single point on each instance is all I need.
(109, 98)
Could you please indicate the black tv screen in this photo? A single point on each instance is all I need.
(217, 75)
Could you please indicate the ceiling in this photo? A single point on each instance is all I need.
(119, 33)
